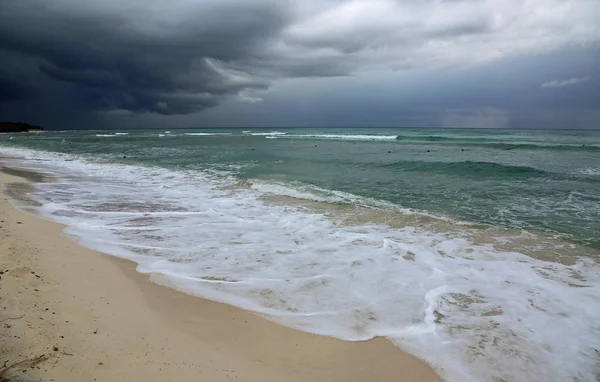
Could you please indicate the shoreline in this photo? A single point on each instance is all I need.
(69, 311)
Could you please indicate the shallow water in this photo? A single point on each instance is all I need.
(484, 262)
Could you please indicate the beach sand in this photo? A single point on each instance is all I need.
(72, 314)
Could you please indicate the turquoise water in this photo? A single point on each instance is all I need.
(540, 180)
(476, 250)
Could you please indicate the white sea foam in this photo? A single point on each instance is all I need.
(121, 133)
(106, 135)
(342, 137)
(207, 134)
(475, 313)
(593, 171)
(271, 134)
(311, 192)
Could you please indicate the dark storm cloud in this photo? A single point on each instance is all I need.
(167, 69)
(14, 90)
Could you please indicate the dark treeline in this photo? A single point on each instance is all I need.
(17, 127)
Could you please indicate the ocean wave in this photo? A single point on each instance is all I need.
(542, 146)
(497, 143)
(206, 134)
(343, 137)
(591, 171)
(310, 192)
(272, 133)
(468, 168)
(112, 135)
(441, 138)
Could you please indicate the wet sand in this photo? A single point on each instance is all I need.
(72, 314)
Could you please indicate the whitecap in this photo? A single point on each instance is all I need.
(336, 137)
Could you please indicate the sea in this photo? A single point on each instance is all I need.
(475, 250)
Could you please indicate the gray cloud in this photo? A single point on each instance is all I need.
(569, 82)
(433, 34)
(489, 118)
(123, 56)
(117, 62)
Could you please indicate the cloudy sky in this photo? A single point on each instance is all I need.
(217, 63)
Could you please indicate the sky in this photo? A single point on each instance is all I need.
(91, 64)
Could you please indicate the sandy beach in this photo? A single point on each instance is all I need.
(73, 314)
